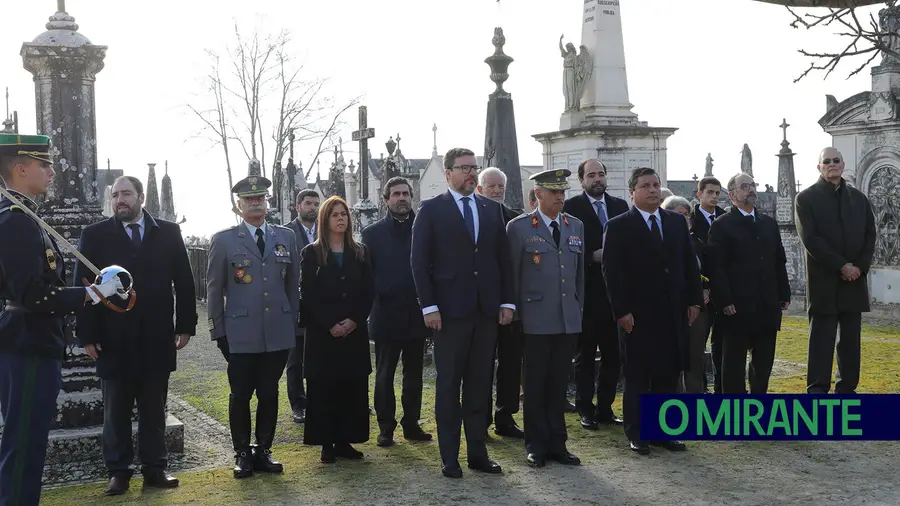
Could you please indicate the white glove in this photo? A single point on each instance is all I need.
(108, 288)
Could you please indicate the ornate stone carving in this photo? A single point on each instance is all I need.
(889, 21)
(577, 71)
(884, 195)
(499, 61)
(882, 106)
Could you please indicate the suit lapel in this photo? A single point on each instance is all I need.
(453, 208)
(481, 205)
(589, 209)
(248, 240)
(641, 223)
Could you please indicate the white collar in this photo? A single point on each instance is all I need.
(548, 220)
(647, 215)
(252, 229)
(139, 222)
(751, 213)
(602, 198)
(706, 213)
(458, 196)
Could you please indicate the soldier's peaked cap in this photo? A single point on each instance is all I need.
(553, 179)
(34, 146)
(251, 186)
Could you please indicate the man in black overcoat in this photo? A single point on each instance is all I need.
(304, 226)
(836, 224)
(396, 323)
(594, 207)
(655, 291)
(136, 350)
(750, 285)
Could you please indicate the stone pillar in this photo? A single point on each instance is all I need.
(501, 146)
(606, 92)
(784, 215)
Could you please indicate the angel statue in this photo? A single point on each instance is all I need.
(577, 70)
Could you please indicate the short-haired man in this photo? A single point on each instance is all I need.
(395, 322)
(708, 191)
(655, 292)
(508, 353)
(532, 200)
(836, 225)
(304, 227)
(595, 207)
(35, 301)
(547, 248)
(750, 285)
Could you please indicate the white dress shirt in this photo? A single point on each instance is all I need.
(252, 229)
(751, 213)
(708, 215)
(647, 215)
(140, 224)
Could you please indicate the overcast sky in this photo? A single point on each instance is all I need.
(720, 71)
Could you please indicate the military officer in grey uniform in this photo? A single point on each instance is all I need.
(547, 249)
(254, 299)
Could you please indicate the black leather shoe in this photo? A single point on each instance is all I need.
(385, 438)
(117, 485)
(509, 431)
(243, 464)
(263, 461)
(639, 447)
(299, 415)
(485, 465)
(570, 408)
(567, 459)
(610, 419)
(344, 450)
(416, 434)
(328, 456)
(674, 445)
(452, 470)
(535, 460)
(159, 479)
(588, 423)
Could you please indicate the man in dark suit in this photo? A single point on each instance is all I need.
(708, 191)
(136, 350)
(655, 291)
(594, 207)
(395, 322)
(462, 270)
(304, 226)
(510, 345)
(750, 284)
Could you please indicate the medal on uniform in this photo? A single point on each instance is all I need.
(247, 278)
(280, 250)
(534, 222)
(51, 259)
(536, 258)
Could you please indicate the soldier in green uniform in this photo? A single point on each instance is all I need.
(32, 343)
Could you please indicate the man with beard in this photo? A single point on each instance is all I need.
(136, 350)
(708, 191)
(508, 353)
(35, 299)
(594, 207)
(750, 283)
(837, 228)
(461, 266)
(396, 323)
(304, 227)
(655, 292)
(253, 286)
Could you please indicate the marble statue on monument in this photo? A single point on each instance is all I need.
(708, 172)
(746, 160)
(577, 71)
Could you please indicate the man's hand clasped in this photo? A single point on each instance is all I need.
(342, 328)
(850, 272)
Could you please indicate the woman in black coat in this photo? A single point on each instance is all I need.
(336, 286)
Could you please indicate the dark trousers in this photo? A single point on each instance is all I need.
(387, 355)
(249, 373)
(29, 386)
(463, 350)
(693, 380)
(548, 359)
(509, 374)
(735, 345)
(639, 381)
(597, 333)
(296, 392)
(715, 349)
(119, 397)
(823, 332)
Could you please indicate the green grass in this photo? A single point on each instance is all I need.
(384, 471)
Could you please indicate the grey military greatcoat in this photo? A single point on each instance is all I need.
(548, 281)
(254, 299)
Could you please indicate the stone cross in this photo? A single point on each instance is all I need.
(784, 126)
(362, 136)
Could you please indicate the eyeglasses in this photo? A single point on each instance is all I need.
(467, 169)
(829, 161)
(747, 186)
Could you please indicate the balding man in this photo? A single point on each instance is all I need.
(837, 229)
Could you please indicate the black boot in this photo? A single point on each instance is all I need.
(263, 461)
(239, 422)
(266, 420)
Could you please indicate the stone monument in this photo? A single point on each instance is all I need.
(151, 200)
(866, 129)
(501, 145)
(601, 124)
(708, 170)
(167, 200)
(64, 64)
(747, 160)
(784, 216)
(364, 211)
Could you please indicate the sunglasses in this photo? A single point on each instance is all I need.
(829, 161)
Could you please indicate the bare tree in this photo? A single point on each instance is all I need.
(264, 98)
(866, 38)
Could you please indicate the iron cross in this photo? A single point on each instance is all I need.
(784, 125)
(362, 136)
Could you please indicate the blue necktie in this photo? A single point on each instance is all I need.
(601, 212)
(470, 219)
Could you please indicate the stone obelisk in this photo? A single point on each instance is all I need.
(784, 215)
(606, 94)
